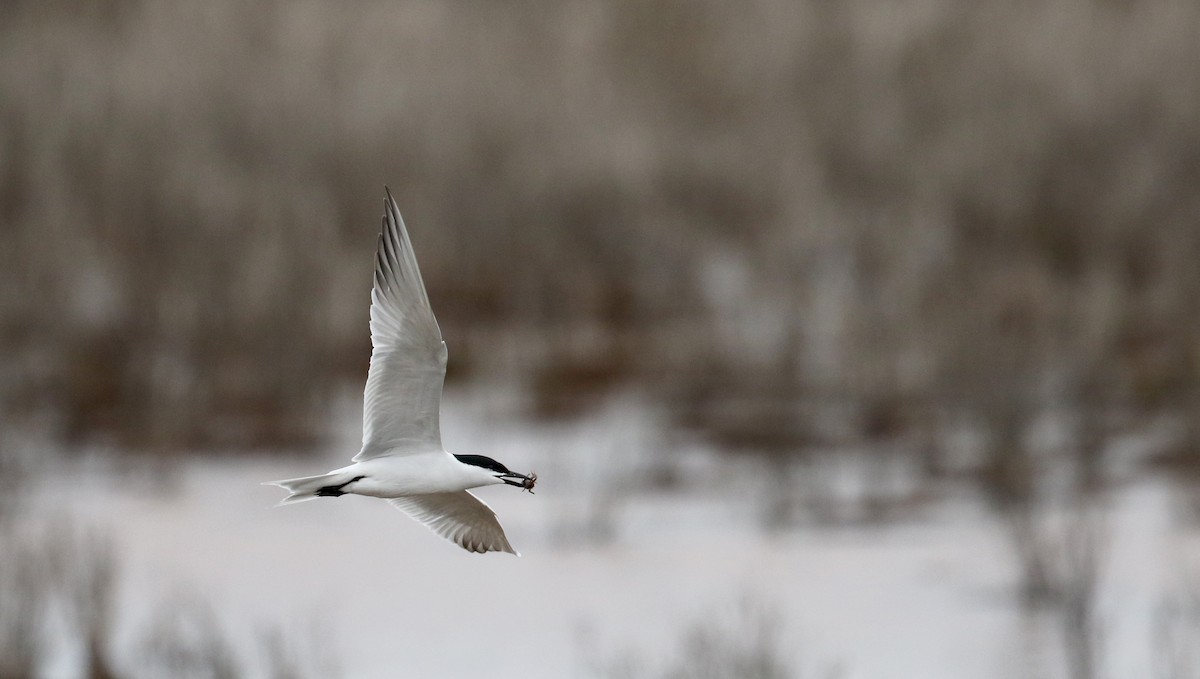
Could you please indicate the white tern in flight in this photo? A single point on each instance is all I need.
(402, 459)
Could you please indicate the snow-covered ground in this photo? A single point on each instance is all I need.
(924, 600)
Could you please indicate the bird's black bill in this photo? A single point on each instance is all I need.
(520, 480)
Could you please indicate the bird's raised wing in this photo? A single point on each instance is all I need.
(459, 517)
(408, 362)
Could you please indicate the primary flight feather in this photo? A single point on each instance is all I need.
(402, 459)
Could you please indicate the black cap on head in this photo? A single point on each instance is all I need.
(485, 462)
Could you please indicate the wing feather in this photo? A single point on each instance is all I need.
(459, 517)
(408, 360)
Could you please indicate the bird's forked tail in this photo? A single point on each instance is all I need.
(313, 487)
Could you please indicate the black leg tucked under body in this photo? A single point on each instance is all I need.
(336, 491)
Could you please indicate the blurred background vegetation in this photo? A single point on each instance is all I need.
(900, 209)
(758, 211)
(800, 227)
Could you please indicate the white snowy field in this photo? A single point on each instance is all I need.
(927, 599)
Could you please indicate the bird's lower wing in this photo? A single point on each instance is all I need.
(459, 517)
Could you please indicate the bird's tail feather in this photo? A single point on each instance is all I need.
(305, 488)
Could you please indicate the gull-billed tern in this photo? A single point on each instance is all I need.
(402, 459)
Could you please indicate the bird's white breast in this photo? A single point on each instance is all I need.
(434, 472)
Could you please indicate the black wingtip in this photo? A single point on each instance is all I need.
(390, 209)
